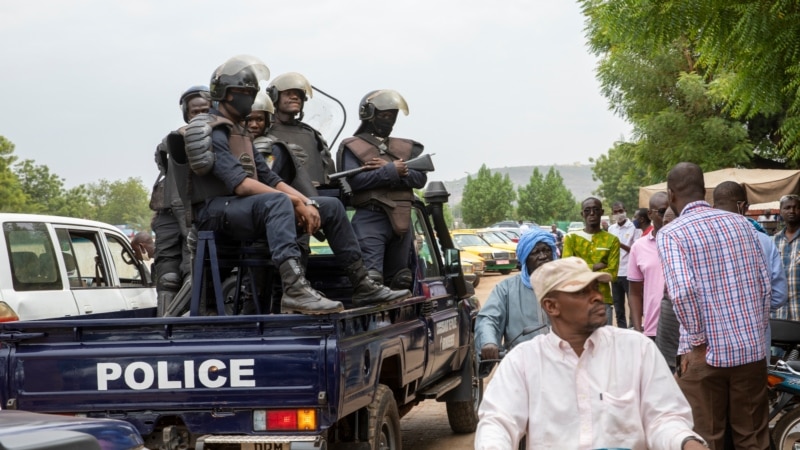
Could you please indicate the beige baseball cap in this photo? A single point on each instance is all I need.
(567, 275)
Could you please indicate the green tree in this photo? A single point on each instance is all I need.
(12, 197)
(74, 203)
(121, 202)
(43, 190)
(545, 199)
(487, 198)
(619, 179)
(733, 86)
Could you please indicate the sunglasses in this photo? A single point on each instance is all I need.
(660, 211)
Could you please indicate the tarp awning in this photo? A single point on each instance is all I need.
(762, 185)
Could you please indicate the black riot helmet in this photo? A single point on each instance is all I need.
(242, 71)
(192, 92)
(381, 99)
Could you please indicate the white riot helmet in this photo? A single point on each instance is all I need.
(286, 81)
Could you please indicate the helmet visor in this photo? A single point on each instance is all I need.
(388, 99)
(240, 62)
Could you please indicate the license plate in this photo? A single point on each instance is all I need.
(266, 446)
(502, 261)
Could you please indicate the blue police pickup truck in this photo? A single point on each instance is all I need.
(271, 381)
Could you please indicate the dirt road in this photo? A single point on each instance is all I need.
(426, 427)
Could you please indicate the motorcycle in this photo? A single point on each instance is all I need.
(783, 379)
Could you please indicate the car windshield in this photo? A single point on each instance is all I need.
(466, 240)
(492, 238)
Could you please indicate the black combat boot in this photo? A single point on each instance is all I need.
(375, 275)
(299, 296)
(367, 291)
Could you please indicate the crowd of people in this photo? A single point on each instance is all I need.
(687, 368)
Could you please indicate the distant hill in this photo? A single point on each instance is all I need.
(577, 178)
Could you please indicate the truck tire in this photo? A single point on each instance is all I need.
(505, 271)
(463, 415)
(384, 421)
(477, 281)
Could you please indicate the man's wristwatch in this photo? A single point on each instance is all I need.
(692, 438)
(313, 203)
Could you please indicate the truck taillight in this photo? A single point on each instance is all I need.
(7, 314)
(285, 420)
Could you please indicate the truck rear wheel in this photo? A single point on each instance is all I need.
(463, 415)
(384, 421)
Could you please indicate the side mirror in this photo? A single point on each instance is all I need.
(452, 262)
(452, 270)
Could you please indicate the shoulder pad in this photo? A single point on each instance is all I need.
(263, 144)
(197, 138)
(316, 133)
(416, 147)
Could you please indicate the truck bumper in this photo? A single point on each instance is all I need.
(273, 442)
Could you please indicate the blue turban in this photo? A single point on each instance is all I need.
(525, 246)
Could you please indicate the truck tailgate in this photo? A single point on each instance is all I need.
(161, 364)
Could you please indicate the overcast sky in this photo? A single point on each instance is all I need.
(89, 88)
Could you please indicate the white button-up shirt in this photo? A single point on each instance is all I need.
(618, 394)
(627, 235)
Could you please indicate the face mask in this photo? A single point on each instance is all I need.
(242, 103)
(636, 223)
(382, 128)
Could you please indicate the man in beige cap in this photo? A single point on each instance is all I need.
(584, 385)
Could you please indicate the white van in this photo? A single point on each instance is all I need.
(59, 267)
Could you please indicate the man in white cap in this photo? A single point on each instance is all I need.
(584, 385)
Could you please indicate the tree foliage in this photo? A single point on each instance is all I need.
(32, 188)
(12, 197)
(43, 190)
(121, 202)
(708, 81)
(545, 199)
(487, 198)
(619, 179)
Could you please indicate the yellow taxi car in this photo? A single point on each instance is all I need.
(477, 264)
(495, 259)
(496, 239)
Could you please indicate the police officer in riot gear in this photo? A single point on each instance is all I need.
(260, 115)
(382, 193)
(234, 192)
(172, 258)
(301, 155)
(258, 122)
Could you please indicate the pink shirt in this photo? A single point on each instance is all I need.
(644, 265)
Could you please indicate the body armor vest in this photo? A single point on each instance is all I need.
(165, 189)
(299, 177)
(209, 186)
(308, 148)
(396, 202)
